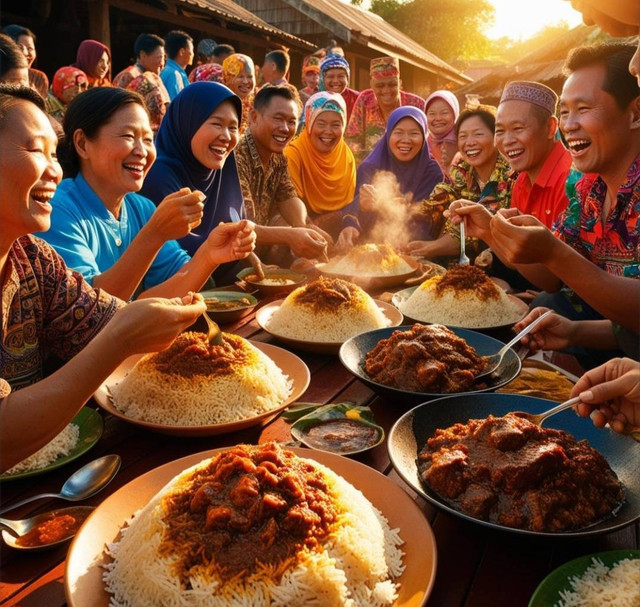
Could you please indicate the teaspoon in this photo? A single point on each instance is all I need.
(82, 484)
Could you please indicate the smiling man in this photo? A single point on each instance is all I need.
(266, 186)
(526, 127)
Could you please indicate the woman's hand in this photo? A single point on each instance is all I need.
(231, 241)
(555, 332)
(151, 325)
(177, 214)
(611, 393)
(307, 242)
(477, 218)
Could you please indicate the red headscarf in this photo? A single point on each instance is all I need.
(89, 53)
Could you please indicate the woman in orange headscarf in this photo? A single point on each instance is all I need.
(321, 165)
(239, 74)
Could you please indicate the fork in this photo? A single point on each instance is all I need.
(464, 260)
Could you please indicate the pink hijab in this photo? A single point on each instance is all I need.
(89, 53)
(450, 99)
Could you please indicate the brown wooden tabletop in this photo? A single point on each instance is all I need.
(476, 566)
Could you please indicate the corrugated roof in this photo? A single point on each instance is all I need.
(373, 31)
(229, 10)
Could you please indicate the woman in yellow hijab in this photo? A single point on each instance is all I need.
(321, 165)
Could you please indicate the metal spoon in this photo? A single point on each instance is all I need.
(13, 530)
(215, 334)
(538, 418)
(493, 361)
(464, 260)
(82, 484)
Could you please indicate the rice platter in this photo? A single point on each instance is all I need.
(256, 525)
(369, 260)
(463, 297)
(193, 383)
(326, 310)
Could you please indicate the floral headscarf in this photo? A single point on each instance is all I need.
(234, 65)
(383, 67)
(66, 78)
(207, 72)
(324, 102)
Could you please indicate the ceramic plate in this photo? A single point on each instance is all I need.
(223, 316)
(412, 430)
(354, 351)
(290, 364)
(548, 592)
(90, 427)
(263, 315)
(83, 575)
(401, 297)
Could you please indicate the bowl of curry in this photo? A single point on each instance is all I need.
(276, 281)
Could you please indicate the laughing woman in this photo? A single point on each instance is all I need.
(114, 237)
(46, 308)
(481, 175)
(403, 152)
(321, 165)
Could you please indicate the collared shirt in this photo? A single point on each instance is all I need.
(174, 78)
(613, 245)
(263, 188)
(546, 197)
(46, 309)
(367, 124)
(91, 240)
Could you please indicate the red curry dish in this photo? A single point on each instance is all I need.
(511, 472)
(426, 358)
(251, 506)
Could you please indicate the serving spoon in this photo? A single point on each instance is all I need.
(493, 361)
(13, 530)
(82, 484)
(214, 336)
(464, 260)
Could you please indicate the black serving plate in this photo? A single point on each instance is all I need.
(411, 431)
(354, 351)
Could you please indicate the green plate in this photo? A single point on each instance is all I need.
(90, 426)
(547, 593)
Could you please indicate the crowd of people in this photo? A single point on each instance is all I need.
(146, 186)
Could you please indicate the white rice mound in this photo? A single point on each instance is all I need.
(335, 323)
(356, 567)
(369, 260)
(600, 586)
(60, 446)
(251, 389)
(459, 308)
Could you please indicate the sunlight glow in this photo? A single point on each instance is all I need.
(521, 19)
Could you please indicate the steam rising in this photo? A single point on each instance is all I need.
(392, 224)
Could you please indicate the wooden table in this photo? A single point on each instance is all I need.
(477, 567)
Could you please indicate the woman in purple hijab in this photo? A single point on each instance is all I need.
(399, 171)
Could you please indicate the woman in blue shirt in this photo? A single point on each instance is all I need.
(116, 238)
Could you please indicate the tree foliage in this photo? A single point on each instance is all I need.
(451, 29)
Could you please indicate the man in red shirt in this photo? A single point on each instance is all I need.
(526, 129)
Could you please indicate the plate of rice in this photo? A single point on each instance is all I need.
(463, 297)
(82, 433)
(372, 266)
(320, 316)
(194, 389)
(439, 363)
(595, 580)
(369, 543)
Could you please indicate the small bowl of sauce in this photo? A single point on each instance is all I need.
(275, 281)
(227, 306)
(342, 428)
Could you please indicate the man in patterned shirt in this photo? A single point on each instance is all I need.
(594, 249)
(269, 194)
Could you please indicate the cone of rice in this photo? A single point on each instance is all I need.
(463, 297)
(256, 526)
(326, 310)
(194, 383)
